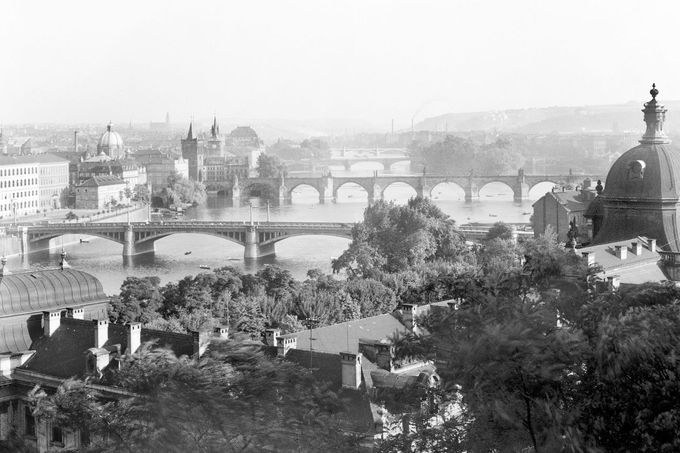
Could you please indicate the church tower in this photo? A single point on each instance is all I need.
(192, 151)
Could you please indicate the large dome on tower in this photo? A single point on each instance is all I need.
(642, 191)
(111, 143)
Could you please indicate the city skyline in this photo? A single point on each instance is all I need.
(373, 61)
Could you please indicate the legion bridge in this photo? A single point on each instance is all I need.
(258, 240)
(328, 185)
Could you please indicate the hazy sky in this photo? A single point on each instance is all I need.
(91, 61)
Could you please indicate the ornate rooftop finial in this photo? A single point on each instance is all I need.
(655, 115)
(108, 126)
(3, 267)
(63, 264)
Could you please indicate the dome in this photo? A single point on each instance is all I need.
(110, 143)
(641, 194)
(45, 290)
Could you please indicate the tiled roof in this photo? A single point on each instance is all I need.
(63, 353)
(571, 199)
(106, 180)
(33, 292)
(345, 336)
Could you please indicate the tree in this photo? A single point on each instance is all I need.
(182, 190)
(139, 300)
(141, 193)
(500, 230)
(394, 238)
(269, 166)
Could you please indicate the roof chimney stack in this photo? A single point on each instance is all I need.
(590, 257)
(51, 322)
(637, 248)
(621, 251)
(651, 243)
(134, 337)
(101, 332)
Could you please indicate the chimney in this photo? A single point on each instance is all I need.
(408, 313)
(75, 141)
(200, 340)
(651, 243)
(351, 370)
(271, 337)
(637, 248)
(384, 355)
(285, 344)
(75, 313)
(590, 257)
(613, 282)
(221, 332)
(621, 251)
(3, 267)
(101, 332)
(134, 337)
(51, 321)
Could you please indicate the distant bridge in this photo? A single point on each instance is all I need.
(258, 239)
(328, 185)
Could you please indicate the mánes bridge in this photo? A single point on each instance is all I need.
(258, 239)
(327, 185)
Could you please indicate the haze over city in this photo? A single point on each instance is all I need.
(92, 62)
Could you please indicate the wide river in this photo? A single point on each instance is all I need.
(170, 262)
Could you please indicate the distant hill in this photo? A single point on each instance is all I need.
(598, 118)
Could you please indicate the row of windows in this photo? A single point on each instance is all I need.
(20, 205)
(19, 182)
(18, 171)
(22, 194)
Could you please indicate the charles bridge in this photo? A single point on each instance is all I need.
(257, 238)
(328, 185)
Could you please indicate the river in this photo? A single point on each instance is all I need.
(170, 262)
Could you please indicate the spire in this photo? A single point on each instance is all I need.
(108, 126)
(655, 115)
(215, 129)
(190, 135)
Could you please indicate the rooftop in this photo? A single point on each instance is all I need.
(105, 180)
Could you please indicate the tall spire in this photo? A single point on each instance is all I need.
(215, 129)
(655, 115)
(190, 135)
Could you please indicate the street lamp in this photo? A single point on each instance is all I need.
(310, 323)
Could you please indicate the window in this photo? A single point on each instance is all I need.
(29, 422)
(57, 435)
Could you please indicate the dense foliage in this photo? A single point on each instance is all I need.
(233, 399)
(270, 166)
(181, 190)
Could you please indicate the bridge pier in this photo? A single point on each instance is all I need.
(253, 249)
(131, 248)
(375, 194)
(326, 194)
(23, 236)
(284, 195)
(471, 192)
(520, 192)
(424, 190)
(236, 193)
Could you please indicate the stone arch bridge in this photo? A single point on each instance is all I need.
(327, 186)
(258, 239)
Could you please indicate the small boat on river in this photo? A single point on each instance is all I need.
(203, 266)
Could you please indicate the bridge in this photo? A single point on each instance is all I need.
(327, 185)
(258, 239)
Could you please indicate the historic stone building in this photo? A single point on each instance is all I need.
(53, 179)
(99, 192)
(19, 186)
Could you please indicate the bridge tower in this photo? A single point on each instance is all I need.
(235, 192)
(521, 188)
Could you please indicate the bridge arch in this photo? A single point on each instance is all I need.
(539, 188)
(274, 240)
(391, 165)
(391, 184)
(236, 237)
(495, 185)
(348, 184)
(304, 185)
(260, 189)
(450, 190)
